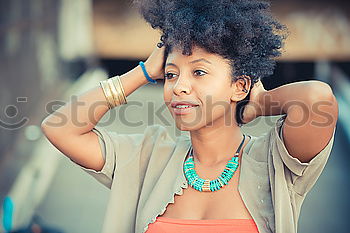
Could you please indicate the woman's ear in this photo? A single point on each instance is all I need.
(240, 87)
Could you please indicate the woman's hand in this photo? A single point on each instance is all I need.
(154, 63)
(254, 108)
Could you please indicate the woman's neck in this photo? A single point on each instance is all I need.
(215, 145)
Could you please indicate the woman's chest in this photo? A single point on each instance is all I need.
(225, 203)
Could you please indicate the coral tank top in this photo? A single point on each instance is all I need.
(172, 225)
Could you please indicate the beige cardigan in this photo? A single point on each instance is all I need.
(144, 172)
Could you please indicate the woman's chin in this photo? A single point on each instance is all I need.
(184, 125)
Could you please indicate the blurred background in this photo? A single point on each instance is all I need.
(53, 49)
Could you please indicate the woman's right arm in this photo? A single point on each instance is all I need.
(69, 128)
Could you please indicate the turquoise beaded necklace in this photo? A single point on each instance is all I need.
(211, 185)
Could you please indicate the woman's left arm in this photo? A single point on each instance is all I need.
(312, 113)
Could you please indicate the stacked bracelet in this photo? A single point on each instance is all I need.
(113, 91)
(146, 74)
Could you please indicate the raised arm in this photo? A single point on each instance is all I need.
(69, 127)
(312, 113)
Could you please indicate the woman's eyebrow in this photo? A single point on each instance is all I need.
(201, 59)
(194, 61)
(170, 64)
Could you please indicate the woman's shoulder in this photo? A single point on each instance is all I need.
(259, 147)
(270, 149)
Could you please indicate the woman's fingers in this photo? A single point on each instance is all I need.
(155, 62)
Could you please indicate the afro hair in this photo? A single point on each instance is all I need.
(242, 31)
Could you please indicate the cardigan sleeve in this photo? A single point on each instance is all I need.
(303, 175)
(120, 149)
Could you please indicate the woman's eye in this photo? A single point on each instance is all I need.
(169, 75)
(199, 72)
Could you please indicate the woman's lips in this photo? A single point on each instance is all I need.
(183, 111)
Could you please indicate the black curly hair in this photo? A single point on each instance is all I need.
(243, 32)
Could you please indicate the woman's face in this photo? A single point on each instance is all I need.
(203, 79)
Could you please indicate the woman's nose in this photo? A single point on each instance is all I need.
(182, 85)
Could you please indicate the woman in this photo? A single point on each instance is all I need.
(212, 56)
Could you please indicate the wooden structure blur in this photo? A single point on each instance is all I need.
(317, 31)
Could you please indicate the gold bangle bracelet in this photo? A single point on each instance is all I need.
(109, 93)
(123, 92)
(118, 91)
(102, 84)
(114, 92)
